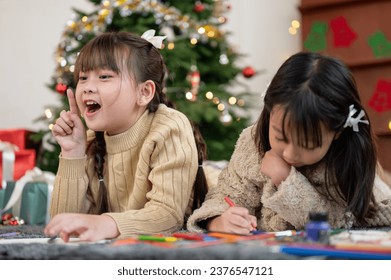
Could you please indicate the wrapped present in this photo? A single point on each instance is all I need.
(14, 162)
(17, 137)
(29, 198)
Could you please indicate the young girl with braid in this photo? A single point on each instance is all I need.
(133, 171)
(311, 150)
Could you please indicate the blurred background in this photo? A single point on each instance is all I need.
(30, 32)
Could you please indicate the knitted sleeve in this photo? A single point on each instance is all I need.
(70, 185)
(240, 180)
(290, 203)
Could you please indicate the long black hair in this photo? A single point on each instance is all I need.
(145, 62)
(315, 89)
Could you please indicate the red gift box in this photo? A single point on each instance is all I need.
(17, 137)
(24, 160)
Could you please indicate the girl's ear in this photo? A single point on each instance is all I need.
(146, 92)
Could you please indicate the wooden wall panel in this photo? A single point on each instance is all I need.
(364, 18)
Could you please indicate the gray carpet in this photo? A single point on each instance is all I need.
(39, 251)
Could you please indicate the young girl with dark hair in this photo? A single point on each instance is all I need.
(311, 150)
(133, 171)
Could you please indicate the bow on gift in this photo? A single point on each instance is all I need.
(156, 41)
(8, 151)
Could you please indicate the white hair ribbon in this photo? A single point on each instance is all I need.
(157, 41)
(353, 122)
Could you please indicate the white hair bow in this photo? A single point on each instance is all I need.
(157, 41)
(353, 122)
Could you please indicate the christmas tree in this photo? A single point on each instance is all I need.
(200, 62)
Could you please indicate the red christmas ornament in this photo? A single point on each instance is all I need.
(6, 217)
(199, 7)
(61, 88)
(248, 72)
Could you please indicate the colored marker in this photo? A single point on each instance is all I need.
(156, 238)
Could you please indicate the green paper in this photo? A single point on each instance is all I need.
(316, 39)
(381, 47)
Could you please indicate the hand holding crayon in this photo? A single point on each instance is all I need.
(232, 204)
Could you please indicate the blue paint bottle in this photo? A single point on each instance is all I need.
(318, 228)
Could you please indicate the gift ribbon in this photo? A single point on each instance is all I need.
(8, 160)
(34, 175)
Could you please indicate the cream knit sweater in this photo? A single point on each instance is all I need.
(149, 173)
(285, 207)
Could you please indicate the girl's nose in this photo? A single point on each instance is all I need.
(290, 154)
(89, 88)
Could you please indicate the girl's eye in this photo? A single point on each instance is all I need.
(104, 77)
(82, 78)
(280, 139)
(310, 147)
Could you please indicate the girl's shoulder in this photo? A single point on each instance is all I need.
(245, 145)
(164, 112)
(246, 138)
(168, 119)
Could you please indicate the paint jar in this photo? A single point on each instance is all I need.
(318, 228)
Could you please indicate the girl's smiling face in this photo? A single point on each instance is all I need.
(290, 148)
(108, 100)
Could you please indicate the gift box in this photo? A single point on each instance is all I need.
(33, 205)
(23, 160)
(17, 153)
(29, 198)
(18, 137)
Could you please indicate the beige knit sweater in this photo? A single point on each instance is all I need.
(278, 209)
(149, 172)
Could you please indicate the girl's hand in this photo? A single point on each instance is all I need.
(69, 130)
(234, 220)
(275, 167)
(86, 227)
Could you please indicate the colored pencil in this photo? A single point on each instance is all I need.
(157, 238)
(376, 248)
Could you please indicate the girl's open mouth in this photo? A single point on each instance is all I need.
(92, 106)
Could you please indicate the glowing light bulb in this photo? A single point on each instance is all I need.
(292, 31)
(221, 107)
(209, 95)
(232, 100)
(295, 23)
(48, 113)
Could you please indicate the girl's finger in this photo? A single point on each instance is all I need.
(72, 102)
